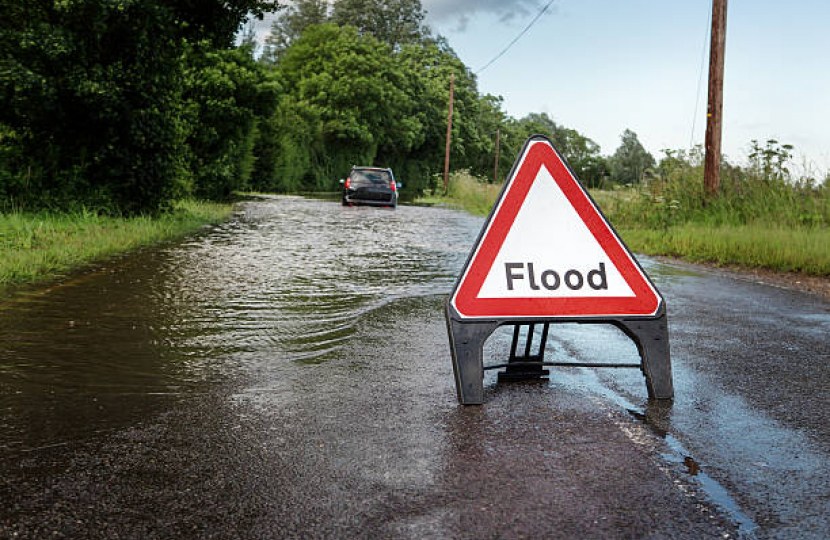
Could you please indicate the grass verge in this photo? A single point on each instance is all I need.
(655, 225)
(465, 192)
(34, 246)
(805, 251)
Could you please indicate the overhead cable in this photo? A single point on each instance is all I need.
(700, 76)
(536, 18)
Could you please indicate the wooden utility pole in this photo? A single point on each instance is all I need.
(449, 134)
(496, 168)
(714, 111)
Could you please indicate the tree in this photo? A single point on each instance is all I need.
(630, 161)
(392, 21)
(581, 153)
(492, 118)
(350, 89)
(290, 25)
(427, 67)
(91, 89)
(248, 39)
(226, 92)
(217, 21)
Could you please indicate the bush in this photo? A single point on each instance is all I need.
(94, 111)
(92, 92)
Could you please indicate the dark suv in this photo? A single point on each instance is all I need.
(370, 185)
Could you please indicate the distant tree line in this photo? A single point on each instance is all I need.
(365, 81)
(123, 106)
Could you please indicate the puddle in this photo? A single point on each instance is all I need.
(677, 452)
(569, 342)
(656, 268)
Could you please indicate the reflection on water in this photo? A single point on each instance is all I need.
(285, 280)
(656, 268)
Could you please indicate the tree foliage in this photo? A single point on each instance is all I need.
(226, 92)
(354, 99)
(290, 25)
(631, 160)
(428, 67)
(95, 108)
(217, 21)
(91, 91)
(394, 22)
(344, 100)
(581, 153)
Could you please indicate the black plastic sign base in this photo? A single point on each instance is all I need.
(467, 347)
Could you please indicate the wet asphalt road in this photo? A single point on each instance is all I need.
(253, 382)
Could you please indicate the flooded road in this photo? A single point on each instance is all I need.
(287, 375)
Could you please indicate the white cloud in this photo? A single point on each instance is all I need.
(449, 13)
(458, 12)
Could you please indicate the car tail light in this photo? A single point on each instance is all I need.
(348, 182)
(393, 186)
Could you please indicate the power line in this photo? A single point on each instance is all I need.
(536, 18)
(700, 76)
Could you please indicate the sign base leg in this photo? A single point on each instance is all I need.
(652, 339)
(467, 347)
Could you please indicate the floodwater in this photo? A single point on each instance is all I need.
(283, 281)
(287, 375)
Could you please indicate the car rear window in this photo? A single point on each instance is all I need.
(367, 177)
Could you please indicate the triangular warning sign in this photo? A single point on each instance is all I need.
(548, 252)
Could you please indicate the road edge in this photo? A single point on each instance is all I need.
(815, 285)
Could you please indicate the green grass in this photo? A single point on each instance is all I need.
(755, 222)
(465, 192)
(34, 246)
(803, 250)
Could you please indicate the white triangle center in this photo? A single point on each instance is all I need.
(549, 252)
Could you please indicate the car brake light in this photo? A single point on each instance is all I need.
(393, 186)
(348, 182)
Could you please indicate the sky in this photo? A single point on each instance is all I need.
(603, 66)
